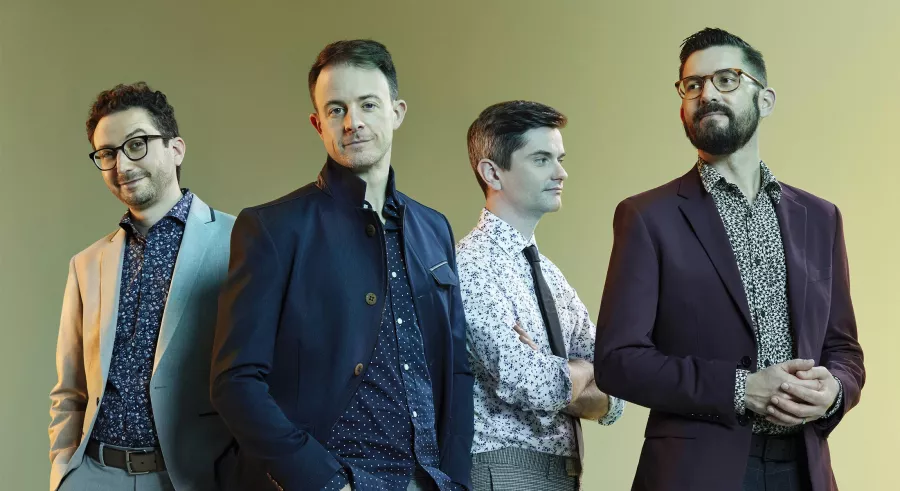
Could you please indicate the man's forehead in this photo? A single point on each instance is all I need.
(114, 127)
(544, 138)
(707, 61)
(350, 82)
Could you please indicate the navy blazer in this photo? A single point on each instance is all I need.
(674, 326)
(299, 317)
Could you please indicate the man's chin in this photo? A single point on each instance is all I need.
(136, 200)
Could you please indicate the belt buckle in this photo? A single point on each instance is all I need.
(128, 454)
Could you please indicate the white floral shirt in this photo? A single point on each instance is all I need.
(519, 392)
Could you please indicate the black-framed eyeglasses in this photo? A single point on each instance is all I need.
(725, 80)
(134, 148)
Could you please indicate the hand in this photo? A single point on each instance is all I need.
(346, 488)
(581, 372)
(524, 337)
(764, 384)
(592, 404)
(797, 404)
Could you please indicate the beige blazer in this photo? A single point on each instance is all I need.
(191, 434)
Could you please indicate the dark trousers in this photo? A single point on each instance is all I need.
(777, 464)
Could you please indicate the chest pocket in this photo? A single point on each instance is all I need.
(443, 275)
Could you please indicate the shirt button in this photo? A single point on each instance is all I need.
(415, 414)
(358, 370)
(406, 366)
(370, 230)
(399, 320)
(393, 274)
(371, 298)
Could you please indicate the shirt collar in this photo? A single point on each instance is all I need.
(346, 186)
(713, 179)
(179, 212)
(510, 240)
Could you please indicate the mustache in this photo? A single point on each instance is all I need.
(126, 178)
(713, 107)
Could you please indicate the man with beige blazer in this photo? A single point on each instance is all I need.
(131, 407)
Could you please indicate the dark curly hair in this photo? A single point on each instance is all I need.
(138, 94)
(498, 131)
(361, 53)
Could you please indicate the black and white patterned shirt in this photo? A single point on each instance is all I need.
(519, 392)
(755, 238)
(125, 417)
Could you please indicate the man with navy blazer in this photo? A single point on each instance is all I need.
(340, 358)
(727, 308)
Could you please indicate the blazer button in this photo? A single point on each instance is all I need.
(746, 361)
(371, 298)
(370, 230)
(358, 370)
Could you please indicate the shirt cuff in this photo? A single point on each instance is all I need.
(337, 482)
(838, 401)
(616, 408)
(740, 390)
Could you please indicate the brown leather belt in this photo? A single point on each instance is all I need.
(133, 461)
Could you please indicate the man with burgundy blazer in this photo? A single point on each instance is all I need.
(727, 308)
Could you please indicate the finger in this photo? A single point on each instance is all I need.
(814, 384)
(792, 366)
(810, 396)
(796, 409)
(529, 342)
(784, 395)
(782, 418)
(814, 373)
(521, 331)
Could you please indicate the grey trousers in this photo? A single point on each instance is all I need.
(91, 476)
(516, 469)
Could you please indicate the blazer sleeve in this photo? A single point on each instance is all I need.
(68, 398)
(246, 331)
(841, 352)
(457, 463)
(627, 364)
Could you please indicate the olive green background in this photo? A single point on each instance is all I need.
(236, 74)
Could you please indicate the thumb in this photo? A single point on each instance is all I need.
(795, 365)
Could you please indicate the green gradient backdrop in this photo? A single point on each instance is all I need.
(236, 74)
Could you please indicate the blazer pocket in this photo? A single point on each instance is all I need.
(817, 274)
(443, 275)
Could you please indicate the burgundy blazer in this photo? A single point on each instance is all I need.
(675, 324)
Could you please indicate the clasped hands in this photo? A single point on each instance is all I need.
(791, 393)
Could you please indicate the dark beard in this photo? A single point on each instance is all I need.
(723, 141)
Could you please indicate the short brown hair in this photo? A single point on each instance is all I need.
(362, 53)
(497, 132)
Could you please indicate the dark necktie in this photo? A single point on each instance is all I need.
(551, 322)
